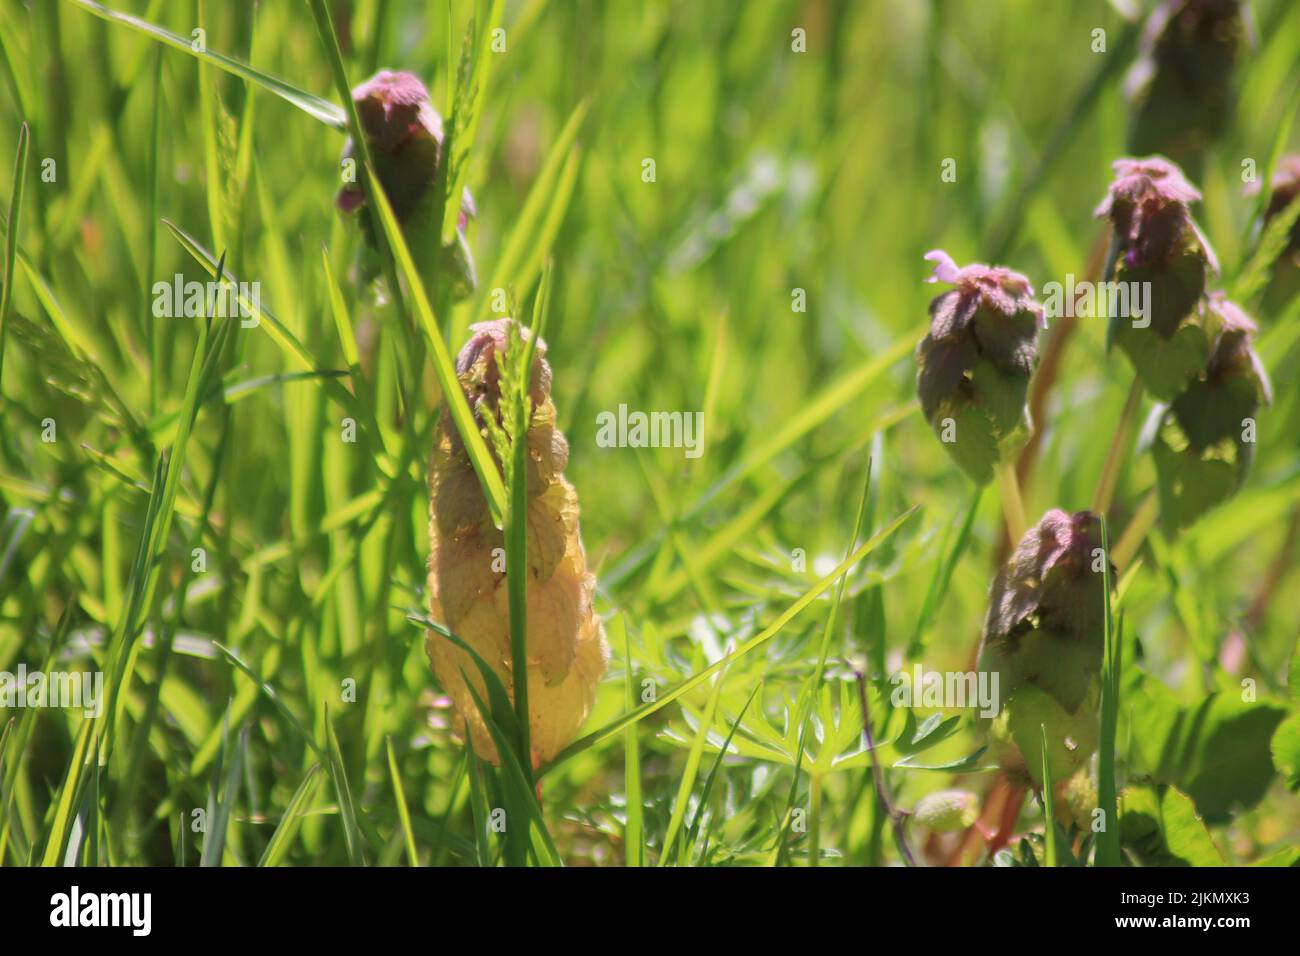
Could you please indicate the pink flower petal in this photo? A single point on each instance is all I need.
(945, 269)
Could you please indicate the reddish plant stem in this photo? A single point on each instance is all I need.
(1049, 369)
(1273, 578)
(1010, 814)
(1119, 446)
(996, 823)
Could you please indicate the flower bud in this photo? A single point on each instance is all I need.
(946, 811)
(1284, 283)
(405, 136)
(1181, 85)
(1043, 637)
(974, 366)
(1283, 190)
(567, 653)
(1158, 244)
(1203, 442)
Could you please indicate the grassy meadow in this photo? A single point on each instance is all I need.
(714, 208)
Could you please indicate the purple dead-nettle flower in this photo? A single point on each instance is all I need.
(1203, 442)
(974, 366)
(1049, 575)
(1043, 637)
(478, 371)
(1003, 289)
(1135, 179)
(1148, 206)
(1160, 255)
(405, 135)
(1233, 355)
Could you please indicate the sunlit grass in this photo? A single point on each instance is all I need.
(230, 520)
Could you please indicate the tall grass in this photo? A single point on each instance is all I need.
(251, 581)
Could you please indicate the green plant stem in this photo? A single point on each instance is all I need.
(1048, 802)
(1052, 356)
(1136, 532)
(1108, 842)
(325, 27)
(1277, 571)
(517, 567)
(814, 818)
(1119, 445)
(1013, 509)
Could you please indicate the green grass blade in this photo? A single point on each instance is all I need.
(1108, 841)
(399, 796)
(634, 830)
(214, 841)
(154, 340)
(670, 849)
(517, 572)
(525, 232)
(320, 109)
(519, 787)
(517, 567)
(347, 809)
(284, 339)
(467, 109)
(11, 242)
(810, 416)
(162, 506)
(1281, 137)
(479, 810)
(1049, 809)
(79, 767)
(501, 724)
(692, 832)
(794, 610)
(342, 319)
(488, 474)
(291, 819)
(83, 839)
(271, 695)
(811, 690)
(942, 577)
(501, 711)
(20, 737)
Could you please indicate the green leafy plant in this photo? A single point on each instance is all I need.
(719, 212)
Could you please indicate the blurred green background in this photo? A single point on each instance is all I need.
(775, 171)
